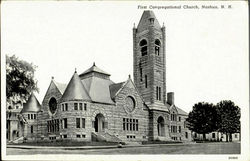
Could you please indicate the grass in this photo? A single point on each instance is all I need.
(92, 143)
(203, 148)
(67, 143)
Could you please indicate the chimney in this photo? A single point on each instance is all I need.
(170, 98)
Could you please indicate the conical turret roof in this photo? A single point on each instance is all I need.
(32, 105)
(75, 90)
(148, 19)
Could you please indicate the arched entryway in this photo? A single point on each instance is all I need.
(160, 126)
(99, 123)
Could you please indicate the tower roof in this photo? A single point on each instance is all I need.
(75, 90)
(95, 69)
(148, 19)
(32, 105)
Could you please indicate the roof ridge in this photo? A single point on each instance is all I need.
(96, 69)
(57, 84)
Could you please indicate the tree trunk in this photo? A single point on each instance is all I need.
(204, 137)
(226, 137)
(230, 137)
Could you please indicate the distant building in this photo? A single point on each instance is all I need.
(216, 136)
(13, 128)
(22, 119)
(92, 107)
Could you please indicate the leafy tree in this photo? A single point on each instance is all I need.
(229, 118)
(203, 118)
(20, 81)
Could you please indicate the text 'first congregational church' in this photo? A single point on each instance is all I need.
(91, 107)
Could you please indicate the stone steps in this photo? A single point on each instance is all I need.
(18, 140)
(105, 137)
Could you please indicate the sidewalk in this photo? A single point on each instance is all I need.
(89, 147)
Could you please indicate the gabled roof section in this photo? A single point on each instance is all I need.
(114, 88)
(60, 86)
(180, 111)
(32, 105)
(75, 90)
(172, 108)
(98, 89)
(94, 69)
(121, 85)
(148, 19)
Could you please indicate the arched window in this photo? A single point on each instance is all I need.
(157, 47)
(160, 126)
(52, 105)
(151, 20)
(144, 47)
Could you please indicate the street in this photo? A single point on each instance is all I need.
(198, 148)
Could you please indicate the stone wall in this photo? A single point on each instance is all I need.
(113, 116)
(121, 111)
(185, 133)
(188, 136)
(28, 134)
(154, 66)
(154, 116)
(45, 113)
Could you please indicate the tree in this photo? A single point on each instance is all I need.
(20, 80)
(203, 118)
(229, 118)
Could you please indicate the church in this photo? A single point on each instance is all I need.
(91, 107)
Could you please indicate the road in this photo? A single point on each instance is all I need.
(199, 148)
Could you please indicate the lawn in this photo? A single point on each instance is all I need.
(199, 148)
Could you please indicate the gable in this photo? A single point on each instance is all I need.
(129, 88)
(52, 90)
(129, 84)
(173, 109)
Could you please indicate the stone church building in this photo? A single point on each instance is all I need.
(91, 107)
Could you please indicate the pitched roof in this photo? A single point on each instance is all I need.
(94, 68)
(114, 88)
(180, 111)
(98, 89)
(61, 86)
(145, 21)
(75, 90)
(32, 105)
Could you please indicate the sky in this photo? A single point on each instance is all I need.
(206, 49)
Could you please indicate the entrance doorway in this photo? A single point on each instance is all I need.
(99, 123)
(160, 126)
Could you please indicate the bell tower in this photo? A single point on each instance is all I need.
(149, 59)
